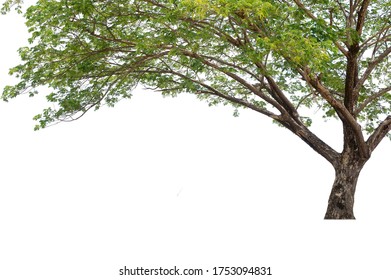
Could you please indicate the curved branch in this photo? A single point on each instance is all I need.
(370, 68)
(289, 118)
(380, 132)
(213, 91)
(285, 119)
(371, 98)
(237, 78)
(312, 140)
(278, 95)
(346, 117)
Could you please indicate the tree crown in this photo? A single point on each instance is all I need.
(274, 57)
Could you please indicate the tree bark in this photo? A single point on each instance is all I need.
(341, 200)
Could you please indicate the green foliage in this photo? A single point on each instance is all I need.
(93, 53)
(9, 4)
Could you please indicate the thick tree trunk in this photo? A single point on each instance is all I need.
(341, 200)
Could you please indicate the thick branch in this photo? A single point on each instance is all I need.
(284, 100)
(351, 96)
(287, 119)
(278, 95)
(346, 117)
(380, 132)
(312, 140)
(361, 16)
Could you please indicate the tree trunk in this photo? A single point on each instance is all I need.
(341, 201)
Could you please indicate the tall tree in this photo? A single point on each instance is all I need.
(274, 57)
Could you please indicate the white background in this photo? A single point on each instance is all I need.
(160, 182)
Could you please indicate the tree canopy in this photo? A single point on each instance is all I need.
(275, 57)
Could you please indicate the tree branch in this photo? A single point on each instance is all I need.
(361, 16)
(346, 117)
(371, 98)
(372, 65)
(312, 140)
(313, 17)
(285, 118)
(380, 132)
(213, 91)
(278, 94)
(239, 101)
(306, 11)
(342, 9)
(237, 78)
(367, 43)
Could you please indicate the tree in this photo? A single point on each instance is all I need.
(275, 57)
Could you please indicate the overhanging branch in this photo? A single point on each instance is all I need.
(237, 78)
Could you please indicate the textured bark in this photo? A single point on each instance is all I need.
(341, 200)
